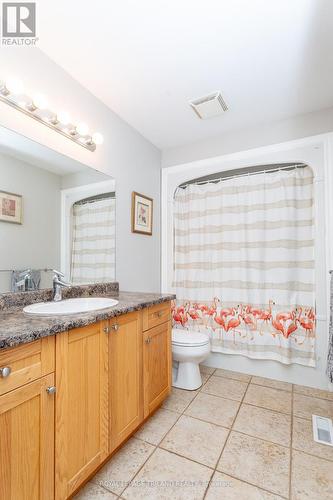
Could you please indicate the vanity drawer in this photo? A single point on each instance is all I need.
(156, 315)
(25, 363)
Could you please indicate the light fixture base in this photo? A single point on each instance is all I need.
(30, 112)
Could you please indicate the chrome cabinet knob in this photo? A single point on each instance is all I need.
(115, 327)
(148, 340)
(106, 329)
(159, 314)
(5, 371)
(51, 390)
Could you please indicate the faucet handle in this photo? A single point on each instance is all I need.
(58, 274)
(26, 272)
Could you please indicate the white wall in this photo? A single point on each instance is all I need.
(315, 151)
(35, 243)
(125, 155)
(269, 133)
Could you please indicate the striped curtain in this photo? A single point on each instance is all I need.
(93, 243)
(244, 264)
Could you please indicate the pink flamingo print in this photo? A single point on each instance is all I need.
(306, 323)
(291, 329)
(180, 314)
(193, 313)
(285, 316)
(249, 324)
(211, 310)
(229, 311)
(266, 315)
(279, 329)
(201, 307)
(311, 314)
(233, 323)
(221, 322)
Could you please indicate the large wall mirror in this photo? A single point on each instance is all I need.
(55, 213)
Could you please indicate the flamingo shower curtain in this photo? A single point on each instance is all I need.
(244, 264)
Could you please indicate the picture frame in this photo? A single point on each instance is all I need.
(11, 207)
(142, 214)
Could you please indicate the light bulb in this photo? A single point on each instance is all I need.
(40, 101)
(97, 138)
(14, 86)
(82, 128)
(63, 117)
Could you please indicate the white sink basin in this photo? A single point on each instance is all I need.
(70, 306)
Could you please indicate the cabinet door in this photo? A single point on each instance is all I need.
(125, 382)
(156, 366)
(81, 406)
(27, 442)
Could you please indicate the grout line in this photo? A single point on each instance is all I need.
(180, 415)
(144, 463)
(227, 438)
(312, 395)
(247, 402)
(271, 387)
(251, 484)
(207, 421)
(158, 445)
(232, 378)
(224, 397)
(313, 456)
(305, 419)
(186, 458)
(261, 439)
(269, 409)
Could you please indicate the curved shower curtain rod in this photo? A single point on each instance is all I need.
(245, 174)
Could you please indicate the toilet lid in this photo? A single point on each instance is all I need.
(188, 338)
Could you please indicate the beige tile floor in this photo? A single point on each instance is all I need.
(237, 438)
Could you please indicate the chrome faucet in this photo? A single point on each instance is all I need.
(58, 285)
(23, 283)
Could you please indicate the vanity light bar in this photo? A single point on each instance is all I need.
(12, 93)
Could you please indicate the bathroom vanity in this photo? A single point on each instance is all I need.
(74, 388)
(75, 383)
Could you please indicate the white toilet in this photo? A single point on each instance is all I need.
(189, 348)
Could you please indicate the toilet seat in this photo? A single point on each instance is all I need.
(188, 338)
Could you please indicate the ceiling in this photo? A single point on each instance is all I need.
(271, 59)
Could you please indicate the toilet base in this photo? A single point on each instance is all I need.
(186, 376)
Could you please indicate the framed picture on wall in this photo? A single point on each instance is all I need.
(142, 214)
(11, 207)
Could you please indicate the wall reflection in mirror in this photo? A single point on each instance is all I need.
(55, 213)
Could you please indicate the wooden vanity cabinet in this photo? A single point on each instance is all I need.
(27, 442)
(82, 412)
(125, 376)
(27, 421)
(67, 402)
(157, 366)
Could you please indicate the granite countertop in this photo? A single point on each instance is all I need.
(16, 327)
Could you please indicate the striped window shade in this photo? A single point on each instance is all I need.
(244, 264)
(93, 241)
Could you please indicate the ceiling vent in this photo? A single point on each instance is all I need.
(209, 105)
